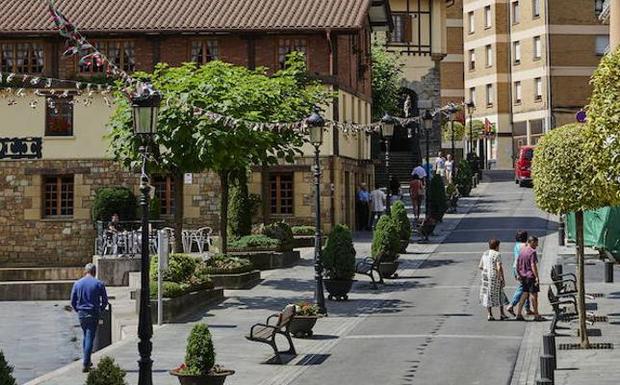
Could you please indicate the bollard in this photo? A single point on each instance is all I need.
(561, 231)
(103, 337)
(549, 346)
(609, 272)
(559, 269)
(546, 367)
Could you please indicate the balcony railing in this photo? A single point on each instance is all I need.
(604, 16)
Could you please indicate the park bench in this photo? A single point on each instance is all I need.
(267, 332)
(560, 312)
(562, 284)
(366, 267)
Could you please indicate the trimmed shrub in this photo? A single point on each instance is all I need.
(185, 274)
(303, 230)
(282, 232)
(385, 240)
(111, 200)
(224, 264)
(463, 178)
(437, 197)
(399, 216)
(180, 268)
(338, 257)
(6, 372)
(199, 353)
(254, 242)
(239, 209)
(107, 372)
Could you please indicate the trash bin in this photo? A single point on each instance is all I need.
(103, 337)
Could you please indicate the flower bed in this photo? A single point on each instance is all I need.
(232, 272)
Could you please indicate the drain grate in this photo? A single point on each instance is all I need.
(593, 346)
(599, 318)
(596, 295)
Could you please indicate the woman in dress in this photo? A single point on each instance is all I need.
(416, 191)
(449, 166)
(492, 288)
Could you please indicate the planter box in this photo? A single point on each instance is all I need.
(307, 241)
(114, 270)
(245, 280)
(176, 308)
(267, 260)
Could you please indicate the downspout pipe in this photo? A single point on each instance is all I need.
(548, 65)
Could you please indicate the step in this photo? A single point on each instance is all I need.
(41, 273)
(36, 290)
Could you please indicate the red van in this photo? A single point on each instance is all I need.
(523, 166)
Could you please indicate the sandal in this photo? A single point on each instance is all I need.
(511, 311)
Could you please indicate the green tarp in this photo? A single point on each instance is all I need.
(601, 229)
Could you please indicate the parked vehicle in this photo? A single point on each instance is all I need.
(523, 166)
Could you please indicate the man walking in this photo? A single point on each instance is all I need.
(362, 201)
(88, 299)
(377, 203)
(527, 270)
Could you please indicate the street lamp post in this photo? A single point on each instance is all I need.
(471, 107)
(315, 125)
(387, 131)
(427, 119)
(145, 105)
(452, 110)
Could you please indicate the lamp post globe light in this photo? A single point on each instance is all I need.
(387, 131)
(427, 119)
(315, 124)
(471, 107)
(145, 108)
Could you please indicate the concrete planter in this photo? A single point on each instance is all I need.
(175, 308)
(301, 326)
(267, 260)
(114, 270)
(303, 241)
(388, 269)
(245, 280)
(36, 291)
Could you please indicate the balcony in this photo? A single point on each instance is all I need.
(604, 15)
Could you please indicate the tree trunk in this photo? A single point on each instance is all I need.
(224, 184)
(178, 210)
(581, 290)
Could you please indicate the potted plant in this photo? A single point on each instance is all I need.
(452, 196)
(399, 216)
(338, 259)
(199, 367)
(463, 179)
(385, 246)
(305, 318)
(437, 197)
(107, 372)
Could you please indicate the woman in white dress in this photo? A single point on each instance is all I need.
(492, 287)
(449, 166)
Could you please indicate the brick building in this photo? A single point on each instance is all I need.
(46, 200)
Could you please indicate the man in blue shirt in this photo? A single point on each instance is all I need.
(362, 202)
(89, 299)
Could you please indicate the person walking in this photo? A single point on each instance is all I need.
(527, 269)
(377, 204)
(395, 194)
(440, 165)
(88, 298)
(416, 191)
(520, 242)
(449, 165)
(492, 287)
(419, 171)
(362, 201)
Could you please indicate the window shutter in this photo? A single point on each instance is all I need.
(407, 29)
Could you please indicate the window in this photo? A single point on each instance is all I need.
(489, 55)
(402, 28)
(535, 8)
(472, 59)
(472, 94)
(58, 196)
(515, 12)
(471, 21)
(287, 46)
(281, 193)
(204, 51)
(119, 53)
(489, 95)
(23, 58)
(164, 192)
(538, 89)
(517, 92)
(59, 116)
(598, 7)
(516, 49)
(487, 17)
(537, 48)
(602, 44)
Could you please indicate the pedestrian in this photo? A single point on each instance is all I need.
(394, 189)
(362, 201)
(416, 191)
(449, 166)
(114, 225)
(527, 269)
(88, 299)
(520, 242)
(492, 287)
(377, 204)
(440, 165)
(419, 171)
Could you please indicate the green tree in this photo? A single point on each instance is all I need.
(463, 178)
(107, 372)
(399, 216)
(199, 352)
(560, 186)
(338, 257)
(387, 76)
(6, 376)
(190, 141)
(385, 240)
(437, 197)
(459, 131)
(239, 207)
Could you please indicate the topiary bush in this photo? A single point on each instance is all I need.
(239, 209)
(185, 274)
(463, 178)
(6, 372)
(399, 216)
(385, 240)
(199, 353)
(338, 257)
(303, 230)
(107, 372)
(249, 242)
(111, 200)
(282, 232)
(437, 197)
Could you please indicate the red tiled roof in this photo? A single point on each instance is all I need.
(32, 16)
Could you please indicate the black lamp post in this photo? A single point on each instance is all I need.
(452, 110)
(145, 104)
(387, 131)
(471, 107)
(427, 119)
(315, 124)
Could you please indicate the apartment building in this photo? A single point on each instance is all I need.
(528, 65)
(54, 158)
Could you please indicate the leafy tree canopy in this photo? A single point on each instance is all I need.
(462, 131)
(387, 76)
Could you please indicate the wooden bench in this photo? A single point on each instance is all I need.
(562, 314)
(266, 332)
(562, 284)
(366, 267)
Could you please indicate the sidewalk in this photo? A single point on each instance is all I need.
(231, 320)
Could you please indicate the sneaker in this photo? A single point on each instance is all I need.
(520, 318)
(512, 312)
(86, 368)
